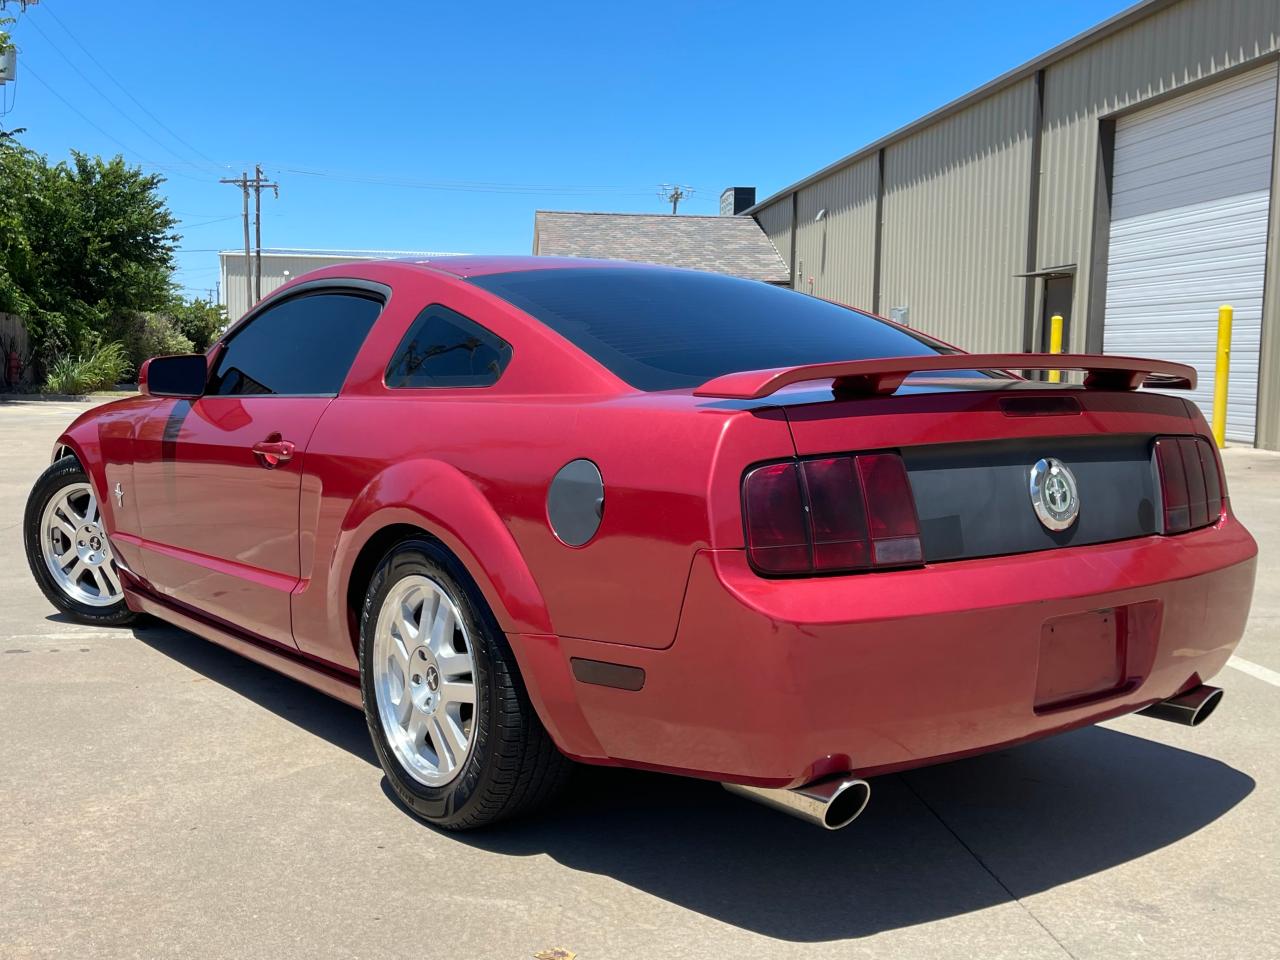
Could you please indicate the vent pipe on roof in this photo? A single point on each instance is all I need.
(736, 199)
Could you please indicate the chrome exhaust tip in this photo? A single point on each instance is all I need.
(830, 804)
(1190, 709)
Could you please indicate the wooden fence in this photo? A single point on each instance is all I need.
(13, 338)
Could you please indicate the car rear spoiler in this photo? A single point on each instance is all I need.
(885, 374)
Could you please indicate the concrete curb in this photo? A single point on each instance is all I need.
(64, 397)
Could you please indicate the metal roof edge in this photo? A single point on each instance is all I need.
(1113, 24)
(638, 213)
(342, 254)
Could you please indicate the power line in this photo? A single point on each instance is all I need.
(119, 143)
(160, 123)
(93, 86)
(472, 186)
(205, 223)
(76, 110)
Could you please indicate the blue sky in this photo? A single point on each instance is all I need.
(425, 126)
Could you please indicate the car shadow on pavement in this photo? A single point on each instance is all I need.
(309, 709)
(931, 845)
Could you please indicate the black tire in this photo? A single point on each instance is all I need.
(513, 767)
(60, 475)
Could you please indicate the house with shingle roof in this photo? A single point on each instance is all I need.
(729, 244)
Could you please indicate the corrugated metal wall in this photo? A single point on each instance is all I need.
(955, 222)
(1173, 47)
(835, 256)
(956, 208)
(1268, 434)
(775, 221)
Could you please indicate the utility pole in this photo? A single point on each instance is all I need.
(258, 184)
(674, 194)
(243, 184)
(253, 275)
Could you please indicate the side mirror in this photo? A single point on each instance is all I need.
(184, 375)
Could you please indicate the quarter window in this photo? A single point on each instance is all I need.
(445, 349)
(301, 347)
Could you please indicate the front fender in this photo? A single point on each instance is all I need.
(442, 500)
(83, 440)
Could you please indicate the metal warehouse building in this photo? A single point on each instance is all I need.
(1122, 180)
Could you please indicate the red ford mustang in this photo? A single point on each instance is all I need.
(526, 509)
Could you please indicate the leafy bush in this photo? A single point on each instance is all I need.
(200, 321)
(99, 370)
(154, 335)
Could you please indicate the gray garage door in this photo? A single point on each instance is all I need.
(1190, 197)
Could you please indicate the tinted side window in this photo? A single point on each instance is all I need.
(303, 346)
(445, 349)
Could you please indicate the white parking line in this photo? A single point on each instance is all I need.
(90, 634)
(1265, 674)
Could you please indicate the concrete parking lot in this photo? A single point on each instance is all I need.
(161, 797)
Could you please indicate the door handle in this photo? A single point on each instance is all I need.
(272, 453)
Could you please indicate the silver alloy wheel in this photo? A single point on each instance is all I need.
(75, 547)
(424, 680)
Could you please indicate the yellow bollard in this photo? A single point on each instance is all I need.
(1055, 344)
(1221, 373)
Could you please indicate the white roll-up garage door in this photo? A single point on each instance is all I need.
(1190, 194)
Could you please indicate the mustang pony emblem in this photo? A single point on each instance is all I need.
(1054, 495)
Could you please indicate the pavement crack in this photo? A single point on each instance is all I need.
(983, 864)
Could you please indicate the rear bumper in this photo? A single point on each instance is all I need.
(777, 682)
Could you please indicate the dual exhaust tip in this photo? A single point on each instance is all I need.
(835, 803)
(1189, 709)
(830, 804)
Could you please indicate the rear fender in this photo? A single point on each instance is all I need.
(443, 501)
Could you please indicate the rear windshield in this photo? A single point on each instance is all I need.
(673, 329)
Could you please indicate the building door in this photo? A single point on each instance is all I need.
(1190, 197)
(1056, 302)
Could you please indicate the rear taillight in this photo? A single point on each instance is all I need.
(1190, 483)
(836, 514)
(777, 528)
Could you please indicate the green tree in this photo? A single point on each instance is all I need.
(85, 246)
(199, 320)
